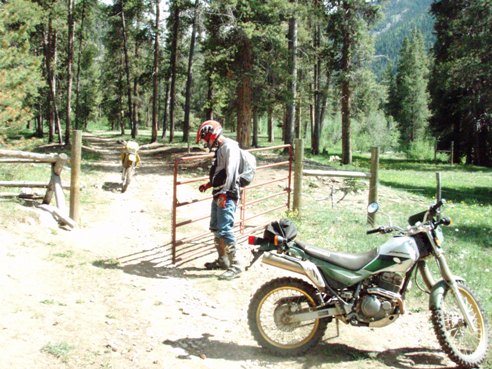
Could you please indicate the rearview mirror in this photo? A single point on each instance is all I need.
(372, 208)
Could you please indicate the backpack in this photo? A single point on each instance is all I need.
(283, 227)
(247, 168)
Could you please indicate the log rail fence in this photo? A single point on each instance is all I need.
(299, 172)
(54, 186)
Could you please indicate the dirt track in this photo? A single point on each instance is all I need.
(107, 296)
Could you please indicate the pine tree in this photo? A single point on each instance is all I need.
(349, 23)
(412, 90)
(20, 72)
(461, 78)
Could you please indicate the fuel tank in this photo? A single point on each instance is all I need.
(398, 254)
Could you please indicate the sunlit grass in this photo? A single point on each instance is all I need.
(407, 188)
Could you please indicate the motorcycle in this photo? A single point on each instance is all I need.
(288, 315)
(130, 159)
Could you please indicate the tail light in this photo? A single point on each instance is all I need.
(252, 240)
(278, 240)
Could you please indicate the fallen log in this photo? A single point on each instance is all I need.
(61, 218)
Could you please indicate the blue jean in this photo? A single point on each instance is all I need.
(222, 221)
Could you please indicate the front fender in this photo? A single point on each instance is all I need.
(438, 290)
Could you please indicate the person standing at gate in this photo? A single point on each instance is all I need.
(224, 180)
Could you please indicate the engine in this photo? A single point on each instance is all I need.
(378, 301)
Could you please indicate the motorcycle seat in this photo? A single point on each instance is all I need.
(344, 260)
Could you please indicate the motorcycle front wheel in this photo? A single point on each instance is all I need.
(127, 177)
(464, 346)
(270, 317)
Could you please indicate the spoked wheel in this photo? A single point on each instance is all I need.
(127, 177)
(463, 345)
(270, 317)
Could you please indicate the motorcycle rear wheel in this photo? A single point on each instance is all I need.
(466, 348)
(127, 177)
(269, 317)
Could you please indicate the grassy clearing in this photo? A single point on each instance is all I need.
(407, 188)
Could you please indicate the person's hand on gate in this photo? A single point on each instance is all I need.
(204, 187)
(221, 201)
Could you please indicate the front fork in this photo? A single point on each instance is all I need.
(449, 279)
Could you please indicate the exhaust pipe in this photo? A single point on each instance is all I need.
(304, 267)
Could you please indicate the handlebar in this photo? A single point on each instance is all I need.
(375, 230)
(445, 221)
(434, 208)
(383, 229)
(415, 220)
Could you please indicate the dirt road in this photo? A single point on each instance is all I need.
(106, 295)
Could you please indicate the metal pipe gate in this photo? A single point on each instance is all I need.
(243, 205)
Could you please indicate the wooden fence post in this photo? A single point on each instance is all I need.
(373, 183)
(75, 175)
(451, 153)
(298, 166)
(438, 187)
(55, 186)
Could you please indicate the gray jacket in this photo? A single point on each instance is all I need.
(224, 172)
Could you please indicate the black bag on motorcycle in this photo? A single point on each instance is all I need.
(283, 227)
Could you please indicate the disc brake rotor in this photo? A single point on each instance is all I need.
(282, 317)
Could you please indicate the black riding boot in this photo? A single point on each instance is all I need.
(234, 269)
(222, 261)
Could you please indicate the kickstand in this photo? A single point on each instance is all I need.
(256, 256)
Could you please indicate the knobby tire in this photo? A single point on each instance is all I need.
(452, 332)
(127, 177)
(281, 337)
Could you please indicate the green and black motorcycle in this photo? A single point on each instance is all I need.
(288, 316)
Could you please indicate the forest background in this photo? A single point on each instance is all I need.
(343, 74)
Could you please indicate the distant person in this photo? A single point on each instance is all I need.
(224, 180)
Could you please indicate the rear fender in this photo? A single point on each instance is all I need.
(304, 267)
(438, 291)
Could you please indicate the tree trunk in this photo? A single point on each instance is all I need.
(346, 139)
(316, 132)
(39, 121)
(244, 91)
(136, 98)
(189, 79)
(271, 132)
(255, 128)
(69, 70)
(79, 58)
(209, 113)
(121, 112)
(346, 97)
(164, 113)
(155, 76)
(127, 65)
(173, 62)
(49, 40)
(292, 85)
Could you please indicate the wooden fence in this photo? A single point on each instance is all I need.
(299, 172)
(54, 187)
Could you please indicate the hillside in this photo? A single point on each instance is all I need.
(400, 18)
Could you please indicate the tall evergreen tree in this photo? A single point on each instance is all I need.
(155, 74)
(412, 89)
(20, 73)
(349, 23)
(70, 49)
(237, 34)
(461, 78)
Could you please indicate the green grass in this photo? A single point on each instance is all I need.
(408, 187)
(59, 350)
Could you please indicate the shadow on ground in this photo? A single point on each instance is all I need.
(327, 353)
